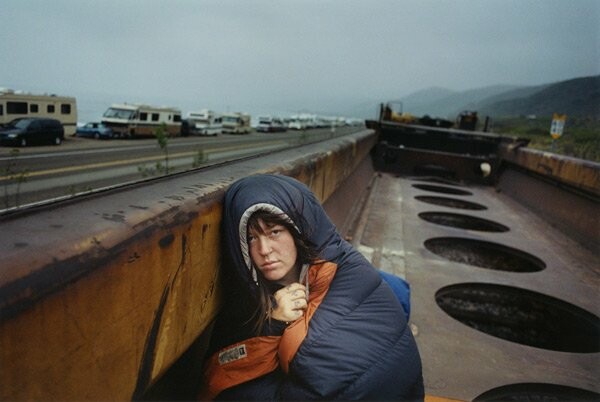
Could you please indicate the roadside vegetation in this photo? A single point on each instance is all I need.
(13, 176)
(162, 138)
(580, 139)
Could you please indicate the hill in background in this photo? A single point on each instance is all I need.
(453, 102)
(578, 97)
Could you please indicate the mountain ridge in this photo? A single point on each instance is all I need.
(578, 97)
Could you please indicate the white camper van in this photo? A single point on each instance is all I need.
(16, 104)
(205, 122)
(268, 124)
(236, 123)
(133, 120)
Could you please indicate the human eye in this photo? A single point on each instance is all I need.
(251, 238)
(276, 231)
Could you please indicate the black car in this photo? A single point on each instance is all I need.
(29, 131)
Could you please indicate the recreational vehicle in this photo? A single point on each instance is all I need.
(296, 124)
(268, 124)
(236, 123)
(205, 122)
(132, 120)
(16, 104)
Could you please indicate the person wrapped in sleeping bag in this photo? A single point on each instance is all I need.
(306, 316)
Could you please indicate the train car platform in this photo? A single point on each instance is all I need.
(503, 304)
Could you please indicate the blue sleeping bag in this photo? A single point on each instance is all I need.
(401, 289)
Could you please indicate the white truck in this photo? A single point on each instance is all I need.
(236, 123)
(205, 122)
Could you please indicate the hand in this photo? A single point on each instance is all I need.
(291, 303)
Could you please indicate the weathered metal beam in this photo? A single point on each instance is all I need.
(564, 191)
(99, 296)
(577, 173)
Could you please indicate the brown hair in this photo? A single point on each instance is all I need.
(306, 254)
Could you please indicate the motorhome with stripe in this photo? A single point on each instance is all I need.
(17, 104)
(136, 120)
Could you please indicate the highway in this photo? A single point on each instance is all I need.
(43, 173)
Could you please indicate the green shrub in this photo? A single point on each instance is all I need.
(580, 139)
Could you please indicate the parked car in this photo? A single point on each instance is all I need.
(30, 131)
(94, 130)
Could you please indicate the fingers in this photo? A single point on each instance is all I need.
(300, 304)
(291, 292)
(297, 291)
(291, 302)
(295, 287)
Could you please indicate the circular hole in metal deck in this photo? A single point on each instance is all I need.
(450, 202)
(484, 254)
(522, 316)
(441, 189)
(463, 221)
(537, 392)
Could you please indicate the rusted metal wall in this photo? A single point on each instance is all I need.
(577, 173)
(564, 191)
(99, 296)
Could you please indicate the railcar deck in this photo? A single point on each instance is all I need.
(521, 286)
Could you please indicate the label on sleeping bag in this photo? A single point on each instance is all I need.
(232, 354)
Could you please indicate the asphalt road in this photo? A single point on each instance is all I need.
(36, 174)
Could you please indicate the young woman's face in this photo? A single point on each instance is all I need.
(274, 253)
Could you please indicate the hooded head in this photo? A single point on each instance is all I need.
(283, 196)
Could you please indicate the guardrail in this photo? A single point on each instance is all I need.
(101, 295)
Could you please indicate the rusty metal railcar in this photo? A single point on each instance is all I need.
(111, 296)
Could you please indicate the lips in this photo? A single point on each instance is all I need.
(269, 265)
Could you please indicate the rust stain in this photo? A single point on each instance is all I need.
(133, 257)
(119, 218)
(166, 240)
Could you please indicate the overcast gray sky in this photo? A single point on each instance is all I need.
(290, 54)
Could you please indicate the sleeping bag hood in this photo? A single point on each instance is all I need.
(282, 195)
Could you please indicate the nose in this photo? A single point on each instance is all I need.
(264, 246)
